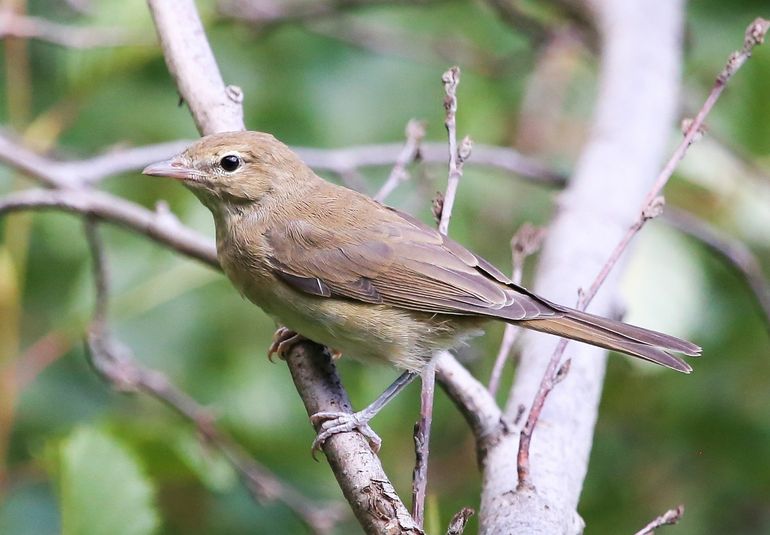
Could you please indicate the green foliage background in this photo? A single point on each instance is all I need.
(662, 438)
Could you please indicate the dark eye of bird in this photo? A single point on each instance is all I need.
(230, 163)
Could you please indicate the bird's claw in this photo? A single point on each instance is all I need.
(283, 340)
(333, 422)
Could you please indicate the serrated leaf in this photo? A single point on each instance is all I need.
(102, 488)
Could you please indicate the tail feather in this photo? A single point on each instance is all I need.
(617, 336)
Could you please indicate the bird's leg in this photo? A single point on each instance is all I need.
(284, 339)
(343, 422)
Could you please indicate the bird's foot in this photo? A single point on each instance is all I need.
(283, 340)
(333, 422)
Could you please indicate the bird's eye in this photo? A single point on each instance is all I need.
(230, 163)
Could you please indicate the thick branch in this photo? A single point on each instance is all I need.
(161, 226)
(358, 471)
(628, 140)
(215, 107)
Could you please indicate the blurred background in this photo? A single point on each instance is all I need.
(342, 74)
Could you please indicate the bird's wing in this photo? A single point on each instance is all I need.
(397, 261)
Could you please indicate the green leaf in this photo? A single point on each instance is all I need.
(102, 488)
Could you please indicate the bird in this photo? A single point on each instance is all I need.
(334, 266)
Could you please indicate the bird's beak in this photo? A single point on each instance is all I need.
(171, 168)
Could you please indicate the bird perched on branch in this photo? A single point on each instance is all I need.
(369, 281)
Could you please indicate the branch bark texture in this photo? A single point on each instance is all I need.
(639, 80)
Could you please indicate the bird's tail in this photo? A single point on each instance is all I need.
(617, 336)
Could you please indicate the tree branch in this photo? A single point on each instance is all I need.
(214, 106)
(669, 518)
(506, 159)
(415, 132)
(652, 207)
(161, 225)
(629, 131)
(90, 171)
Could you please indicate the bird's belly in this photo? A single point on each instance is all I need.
(367, 332)
(361, 331)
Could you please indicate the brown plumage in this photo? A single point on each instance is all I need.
(363, 278)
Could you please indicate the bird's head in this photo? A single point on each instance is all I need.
(234, 168)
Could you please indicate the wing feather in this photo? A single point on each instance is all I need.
(399, 261)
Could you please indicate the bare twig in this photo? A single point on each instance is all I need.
(459, 521)
(214, 106)
(422, 443)
(505, 159)
(755, 35)
(71, 174)
(524, 243)
(65, 173)
(451, 80)
(27, 27)
(161, 226)
(734, 252)
(651, 207)
(415, 132)
(669, 518)
(474, 402)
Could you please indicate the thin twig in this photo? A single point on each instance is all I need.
(525, 242)
(755, 35)
(343, 160)
(651, 207)
(450, 79)
(161, 226)
(422, 443)
(415, 133)
(474, 402)
(669, 518)
(459, 521)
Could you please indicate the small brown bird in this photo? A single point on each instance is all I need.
(365, 279)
